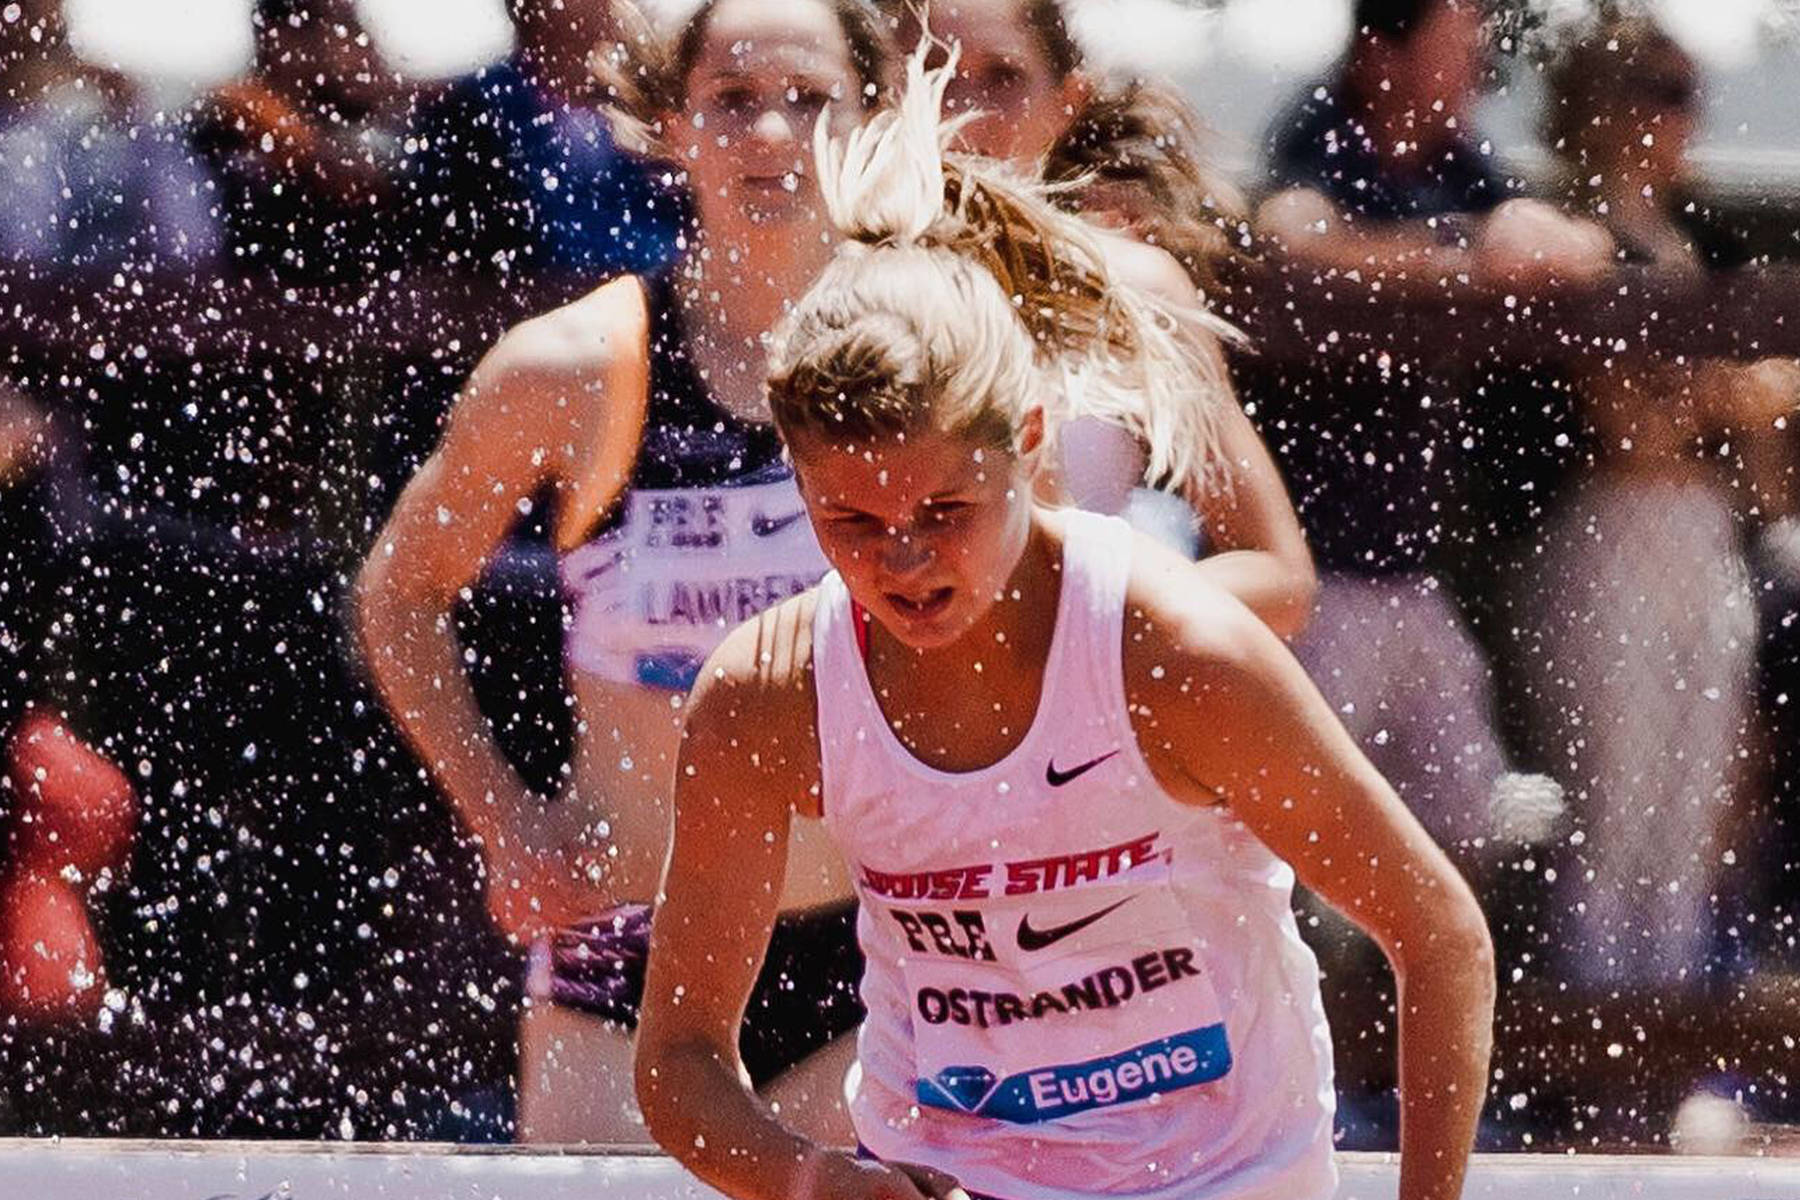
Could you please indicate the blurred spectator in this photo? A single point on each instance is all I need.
(294, 902)
(1140, 160)
(24, 532)
(34, 55)
(1641, 619)
(1381, 176)
(515, 167)
(79, 194)
(94, 180)
(305, 147)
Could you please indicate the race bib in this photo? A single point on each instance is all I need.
(656, 594)
(1035, 1006)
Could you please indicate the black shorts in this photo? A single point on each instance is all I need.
(806, 996)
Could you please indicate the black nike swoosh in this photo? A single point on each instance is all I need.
(764, 526)
(1037, 939)
(1056, 778)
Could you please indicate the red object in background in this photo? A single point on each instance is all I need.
(49, 959)
(72, 806)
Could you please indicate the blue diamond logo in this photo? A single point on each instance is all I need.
(968, 1086)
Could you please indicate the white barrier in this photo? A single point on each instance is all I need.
(109, 1170)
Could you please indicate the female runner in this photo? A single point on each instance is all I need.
(1069, 774)
(1131, 152)
(636, 414)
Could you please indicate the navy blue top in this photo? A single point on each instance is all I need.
(1321, 143)
(1373, 457)
(690, 439)
(502, 169)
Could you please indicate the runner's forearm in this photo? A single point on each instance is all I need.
(416, 661)
(1446, 1036)
(710, 1120)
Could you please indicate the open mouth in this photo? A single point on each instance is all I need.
(921, 606)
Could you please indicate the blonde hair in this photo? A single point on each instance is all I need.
(964, 295)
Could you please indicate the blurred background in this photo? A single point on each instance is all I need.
(248, 252)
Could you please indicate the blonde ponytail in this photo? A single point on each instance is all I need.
(972, 296)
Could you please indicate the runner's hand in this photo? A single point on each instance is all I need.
(547, 870)
(841, 1177)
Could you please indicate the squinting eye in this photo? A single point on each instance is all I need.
(808, 97)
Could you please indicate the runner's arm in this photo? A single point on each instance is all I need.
(1235, 715)
(1258, 551)
(509, 435)
(714, 916)
(749, 756)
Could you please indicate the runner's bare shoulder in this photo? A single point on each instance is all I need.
(1150, 269)
(579, 340)
(1180, 626)
(564, 392)
(756, 695)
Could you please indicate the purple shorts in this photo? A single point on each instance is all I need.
(805, 997)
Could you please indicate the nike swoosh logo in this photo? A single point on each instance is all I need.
(765, 526)
(1037, 939)
(1056, 778)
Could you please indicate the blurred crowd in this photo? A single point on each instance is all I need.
(1557, 595)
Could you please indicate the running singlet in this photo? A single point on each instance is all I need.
(710, 533)
(1076, 985)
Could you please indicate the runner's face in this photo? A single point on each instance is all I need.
(925, 530)
(761, 79)
(1003, 74)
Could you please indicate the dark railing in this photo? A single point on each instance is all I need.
(1289, 310)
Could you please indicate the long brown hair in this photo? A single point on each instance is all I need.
(1144, 136)
(1133, 132)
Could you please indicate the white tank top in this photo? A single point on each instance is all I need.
(1076, 985)
(657, 593)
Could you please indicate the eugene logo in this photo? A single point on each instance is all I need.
(1165, 1065)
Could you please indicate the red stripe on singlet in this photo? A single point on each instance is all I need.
(859, 625)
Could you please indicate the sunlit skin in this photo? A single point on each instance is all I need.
(756, 92)
(761, 79)
(920, 528)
